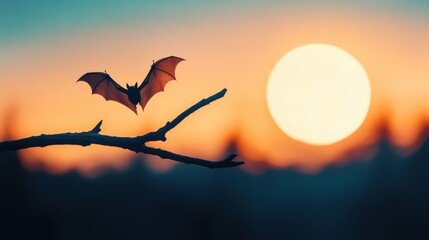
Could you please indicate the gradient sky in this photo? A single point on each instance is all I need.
(27, 19)
(47, 45)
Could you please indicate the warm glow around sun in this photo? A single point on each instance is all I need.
(318, 94)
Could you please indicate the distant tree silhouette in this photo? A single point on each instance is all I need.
(136, 144)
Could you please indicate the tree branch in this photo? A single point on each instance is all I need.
(227, 162)
(159, 135)
(136, 144)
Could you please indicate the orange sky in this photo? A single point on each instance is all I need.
(236, 52)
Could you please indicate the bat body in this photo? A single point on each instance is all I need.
(160, 73)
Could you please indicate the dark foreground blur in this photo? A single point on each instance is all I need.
(384, 198)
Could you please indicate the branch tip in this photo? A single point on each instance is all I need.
(228, 162)
(230, 158)
(97, 127)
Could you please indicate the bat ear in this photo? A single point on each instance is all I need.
(128, 86)
(135, 85)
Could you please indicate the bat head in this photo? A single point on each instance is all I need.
(133, 93)
(128, 86)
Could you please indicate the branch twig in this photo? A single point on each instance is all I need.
(136, 144)
(159, 135)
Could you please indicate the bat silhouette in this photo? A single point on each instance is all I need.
(160, 73)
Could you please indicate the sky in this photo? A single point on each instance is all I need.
(47, 45)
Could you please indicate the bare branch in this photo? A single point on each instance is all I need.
(136, 144)
(227, 162)
(159, 135)
(82, 138)
(97, 128)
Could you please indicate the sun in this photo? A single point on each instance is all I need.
(318, 94)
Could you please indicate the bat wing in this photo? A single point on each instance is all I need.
(101, 83)
(161, 72)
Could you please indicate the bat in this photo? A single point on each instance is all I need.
(160, 73)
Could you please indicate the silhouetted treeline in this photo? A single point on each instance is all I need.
(384, 198)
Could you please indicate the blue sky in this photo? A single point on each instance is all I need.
(28, 18)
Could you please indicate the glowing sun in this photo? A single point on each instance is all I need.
(318, 94)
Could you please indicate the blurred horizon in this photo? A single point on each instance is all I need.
(253, 165)
(383, 197)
